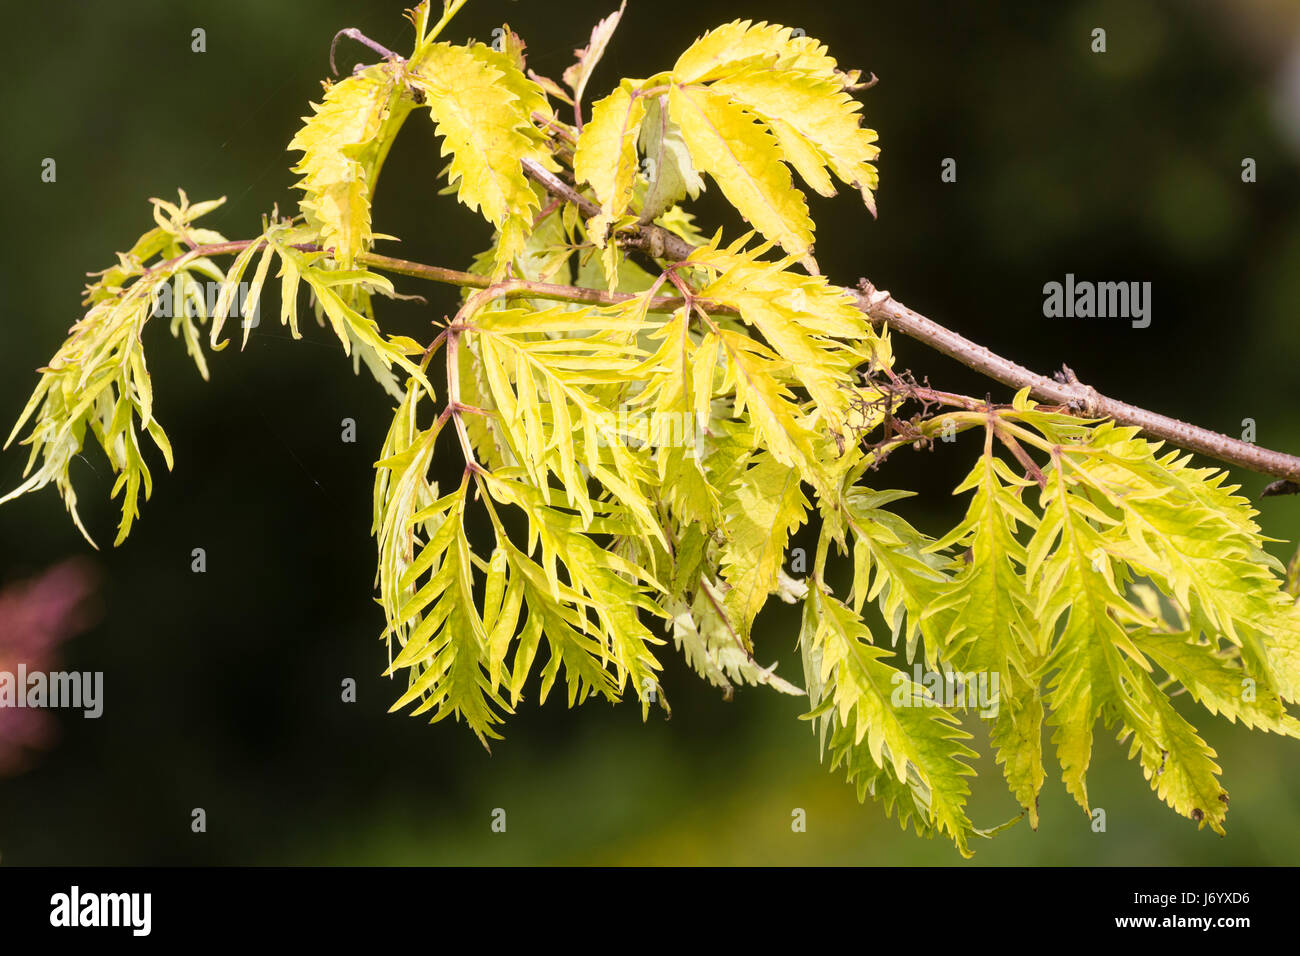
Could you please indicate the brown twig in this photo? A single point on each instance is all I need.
(510, 288)
(1077, 397)
(653, 240)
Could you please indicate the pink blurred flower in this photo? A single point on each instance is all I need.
(36, 616)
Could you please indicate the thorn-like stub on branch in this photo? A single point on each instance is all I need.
(875, 298)
(1082, 399)
(656, 244)
(1085, 401)
(1066, 375)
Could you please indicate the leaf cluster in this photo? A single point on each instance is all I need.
(646, 435)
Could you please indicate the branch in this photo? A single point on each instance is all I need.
(655, 241)
(509, 288)
(524, 288)
(1079, 398)
(879, 306)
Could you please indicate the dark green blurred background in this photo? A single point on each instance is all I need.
(222, 690)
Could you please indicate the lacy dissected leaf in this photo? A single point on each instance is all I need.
(798, 93)
(486, 432)
(759, 381)
(988, 609)
(893, 566)
(675, 404)
(728, 142)
(334, 292)
(341, 146)
(579, 73)
(1017, 738)
(402, 490)
(246, 299)
(1098, 671)
(1192, 536)
(606, 157)
(99, 381)
(1177, 763)
(743, 44)
(558, 616)
(985, 622)
(482, 107)
(914, 592)
(817, 124)
(552, 422)
(854, 693)
(1113, 511)
(1087, 659)
(443, 641)
(601, 646)
(613, 587)
(761, 510)
(815, 326)
(703, 633)
(1216, 680)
